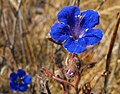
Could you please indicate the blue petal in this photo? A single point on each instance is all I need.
(23, 87)
(67, 14)
(90, 18)
(13, 76)
(94, 32)
(27, 79)
(93, 36)
(75, 46)
(59, 32)
(21, 73)
(13, 86)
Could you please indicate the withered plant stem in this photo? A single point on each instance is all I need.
(100, 5)
(47, 87)
(77, 83)
(10, 46)
(110, 52)
(21, 34)
(78, 3)
(16, 17)
(63, 81)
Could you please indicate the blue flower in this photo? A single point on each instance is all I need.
(19, 80)
(76, 30)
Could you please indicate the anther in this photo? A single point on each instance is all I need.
(79, 16)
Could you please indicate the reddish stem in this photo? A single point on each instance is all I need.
(78, 80)
(65, 92)
(63, 81)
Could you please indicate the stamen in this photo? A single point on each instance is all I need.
(81, 18)
(77, 30)
(19, 80)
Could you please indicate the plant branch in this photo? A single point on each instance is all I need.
(100, 5)
(21, 32)
(110, 52)
(50, 75)
(11, 47)
(47, 87)
(78, 3)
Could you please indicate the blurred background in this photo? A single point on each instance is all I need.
(24, 43)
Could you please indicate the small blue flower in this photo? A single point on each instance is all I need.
(19, 81)
(76, 30)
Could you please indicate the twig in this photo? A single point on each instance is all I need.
(3, 58)
(77, 83)
(14, 4)
(21, 32)
(110, 52)
(16, 17)
(27, 39)
(78, 3)
(47, 87)
(99, 6)
(74, 2)
(11, 47)
(63, 81)
(50, 75)
(65, 92)
(4, 50)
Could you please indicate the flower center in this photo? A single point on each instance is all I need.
(19, 80)
(77, 30)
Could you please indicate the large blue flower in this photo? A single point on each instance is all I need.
(19, 80)
(76, 30)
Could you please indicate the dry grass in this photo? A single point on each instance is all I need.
(36, 51)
